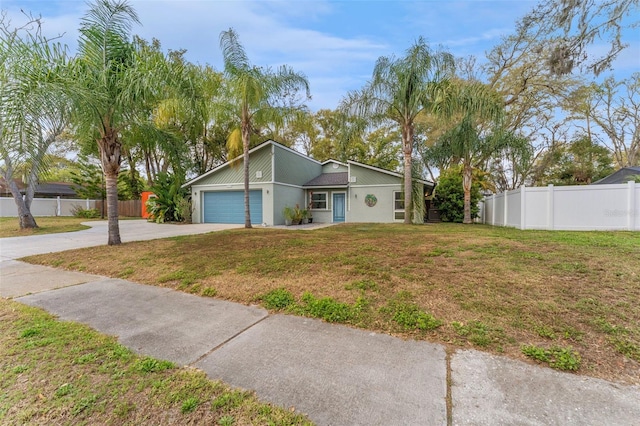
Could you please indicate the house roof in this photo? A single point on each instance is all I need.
(324, 180)
(621, 176)
(331, 160)
(329, 179)
(45, 189)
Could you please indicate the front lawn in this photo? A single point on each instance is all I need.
(565, 299)
(10, 226)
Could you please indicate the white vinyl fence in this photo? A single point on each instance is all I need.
(571, 208)
(45, 206)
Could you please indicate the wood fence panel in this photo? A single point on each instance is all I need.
(129, 208)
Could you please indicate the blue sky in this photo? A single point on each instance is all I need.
(335, 43)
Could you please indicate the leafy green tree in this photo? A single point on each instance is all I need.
(400, 90)
(199, 115)
(510, 166)
(449, 196)
(254, 91)
(88, 181)
(613, 107)
(580, 162)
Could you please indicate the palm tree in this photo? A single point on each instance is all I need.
(33, 107)
(476, 107)
(400, 90)
(254, 91)
(106, 90)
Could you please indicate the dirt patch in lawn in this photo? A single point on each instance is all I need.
(568, 295)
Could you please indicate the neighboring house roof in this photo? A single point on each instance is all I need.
(621, 176)
(329, 180)
(43, 190)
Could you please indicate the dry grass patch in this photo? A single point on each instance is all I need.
(54, 372)
(495, 289)
(10, 227)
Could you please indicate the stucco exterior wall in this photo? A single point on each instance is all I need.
(285, 196)
(382, 212)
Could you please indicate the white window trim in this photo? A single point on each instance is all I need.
(394, 207)
(326, 200)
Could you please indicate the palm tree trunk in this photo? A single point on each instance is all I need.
(27, 221)
(245, 162)
(112, 209)
(407, 149)
(466, 186)
(25, 217)
(111, 155)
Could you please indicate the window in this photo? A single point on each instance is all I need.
(398, 205)
(318, 200)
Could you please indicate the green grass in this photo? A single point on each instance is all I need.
(54, 372)
(495, 289)
(10, 227)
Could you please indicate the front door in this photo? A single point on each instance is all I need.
(338, 207)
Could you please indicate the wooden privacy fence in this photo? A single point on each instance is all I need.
(129, 208)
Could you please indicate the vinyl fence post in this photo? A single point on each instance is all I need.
(550, 224)
(523, 206)
(58, 207)
(493, 210)
(631, 203)
(506, 208)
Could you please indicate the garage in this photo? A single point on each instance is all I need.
(228, 207)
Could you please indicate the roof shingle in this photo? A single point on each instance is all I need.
(329, 179)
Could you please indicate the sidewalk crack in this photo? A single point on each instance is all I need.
(215, 348)
(448, 398)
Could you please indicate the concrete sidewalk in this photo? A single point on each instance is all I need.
(335, 374)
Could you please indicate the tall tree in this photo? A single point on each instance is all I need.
(471, 142)
(613, 107)
(108, 88)
(33, 107)
(255, 92)
(580, 162)
(399, 91)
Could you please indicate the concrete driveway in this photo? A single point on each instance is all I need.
(130, 230)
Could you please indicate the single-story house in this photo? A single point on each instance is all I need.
(281, 177)
(621, 176)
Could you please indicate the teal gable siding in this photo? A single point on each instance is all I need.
(259, 161)
(292, 168)
(366, 176)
